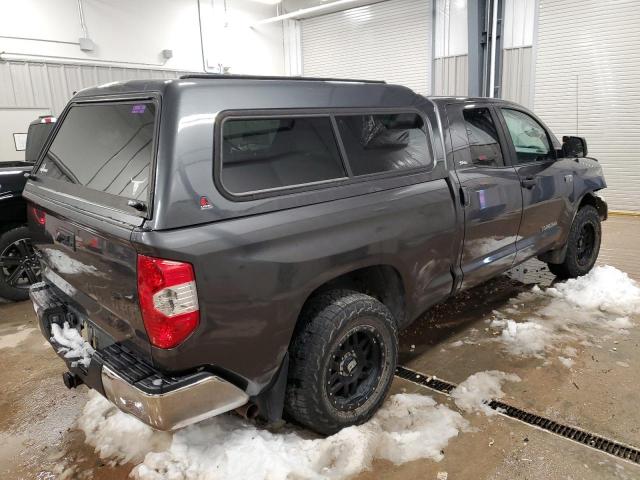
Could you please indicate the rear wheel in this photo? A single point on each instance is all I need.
(343, 358)
(583, 245)
(19, 267)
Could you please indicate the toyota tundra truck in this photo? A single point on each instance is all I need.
(217, 242)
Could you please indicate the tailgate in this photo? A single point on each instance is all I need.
(88, 194)
(93, 266)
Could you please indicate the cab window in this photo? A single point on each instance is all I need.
(484, 144)
(529, 138)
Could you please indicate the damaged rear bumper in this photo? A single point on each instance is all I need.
(135, 387)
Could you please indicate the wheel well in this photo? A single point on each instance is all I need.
(596, 202)
(382, 282)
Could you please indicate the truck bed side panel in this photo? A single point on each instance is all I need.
(255, 273)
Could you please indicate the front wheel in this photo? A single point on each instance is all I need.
(583, 245)
(19, 267)
(343, 358)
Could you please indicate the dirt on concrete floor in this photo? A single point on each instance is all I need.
(598, 392)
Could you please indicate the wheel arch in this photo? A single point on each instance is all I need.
(382, 282)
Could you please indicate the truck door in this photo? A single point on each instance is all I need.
(547, 184)
(490, 192)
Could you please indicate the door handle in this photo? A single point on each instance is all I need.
(529, 182)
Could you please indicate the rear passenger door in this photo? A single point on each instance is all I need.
(547, 184)
(490, 192)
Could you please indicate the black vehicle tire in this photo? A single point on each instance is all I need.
(583, 245)
(18, 266)
(343, 357)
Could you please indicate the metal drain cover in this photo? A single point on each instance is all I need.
(578, 435)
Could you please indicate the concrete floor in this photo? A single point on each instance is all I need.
(37, 412)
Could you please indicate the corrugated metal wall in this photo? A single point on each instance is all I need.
(588, 82)
(451, 75)
(385, 41)
(451, 48)
(517, 51)
(516, 75)
(51, 85)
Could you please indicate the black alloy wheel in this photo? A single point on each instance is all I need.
(19, 265)
(355, 369)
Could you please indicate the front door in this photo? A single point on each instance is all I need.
(490, 189)
(547, 184)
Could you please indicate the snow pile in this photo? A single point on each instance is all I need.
(72, 344)
(474, 394)
(567, 362)
(578, 309)
(116, 435)
(408, 427)
(604, 288)
(529, 338)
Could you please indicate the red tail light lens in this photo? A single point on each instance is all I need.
(39, 215)
(168, 300)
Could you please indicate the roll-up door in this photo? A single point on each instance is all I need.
(384, 41)
(587, 81)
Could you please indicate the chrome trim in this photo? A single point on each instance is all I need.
(178, 408)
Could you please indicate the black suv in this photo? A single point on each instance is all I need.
(231, 241)
(18, 266)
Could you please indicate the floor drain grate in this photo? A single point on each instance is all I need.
(424, 380)
(574, 434)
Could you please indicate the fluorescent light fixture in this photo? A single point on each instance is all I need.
(303, 12)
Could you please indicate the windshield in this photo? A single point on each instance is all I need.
(106, 147)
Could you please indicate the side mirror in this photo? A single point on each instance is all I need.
(574, 147)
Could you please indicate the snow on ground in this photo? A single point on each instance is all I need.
(72, 344)
(408, 427)
(604, 299)
(567, 362)
(605, 288)
(474, 394)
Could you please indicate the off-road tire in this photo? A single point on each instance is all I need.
(327, 323)
(576, 263)
(8, 238)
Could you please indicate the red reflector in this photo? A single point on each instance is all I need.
(39, 215)
(168, 300)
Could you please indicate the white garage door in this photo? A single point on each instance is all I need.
(385, 41)
(588, 82)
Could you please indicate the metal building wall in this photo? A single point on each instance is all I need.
(517, 51)
(516, 75)
(451, 46)
(587, 82)
(384, 41)
(451, 75)
(51, 85)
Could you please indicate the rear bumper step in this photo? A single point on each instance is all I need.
(135, 387)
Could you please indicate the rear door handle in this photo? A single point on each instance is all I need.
(529, 182)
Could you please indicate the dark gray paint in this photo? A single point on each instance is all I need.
(258, 260)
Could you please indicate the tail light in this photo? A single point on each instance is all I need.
(38, 215)
(168, 300)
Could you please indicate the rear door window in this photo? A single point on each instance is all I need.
(105, 147)
(384, 142)
(484, 144)
(272, 153)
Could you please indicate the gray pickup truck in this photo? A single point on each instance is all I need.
(256, 243)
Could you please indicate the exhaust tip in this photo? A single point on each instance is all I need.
(249, 411)
(71, 380)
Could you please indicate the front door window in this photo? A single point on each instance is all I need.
(529, 138)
